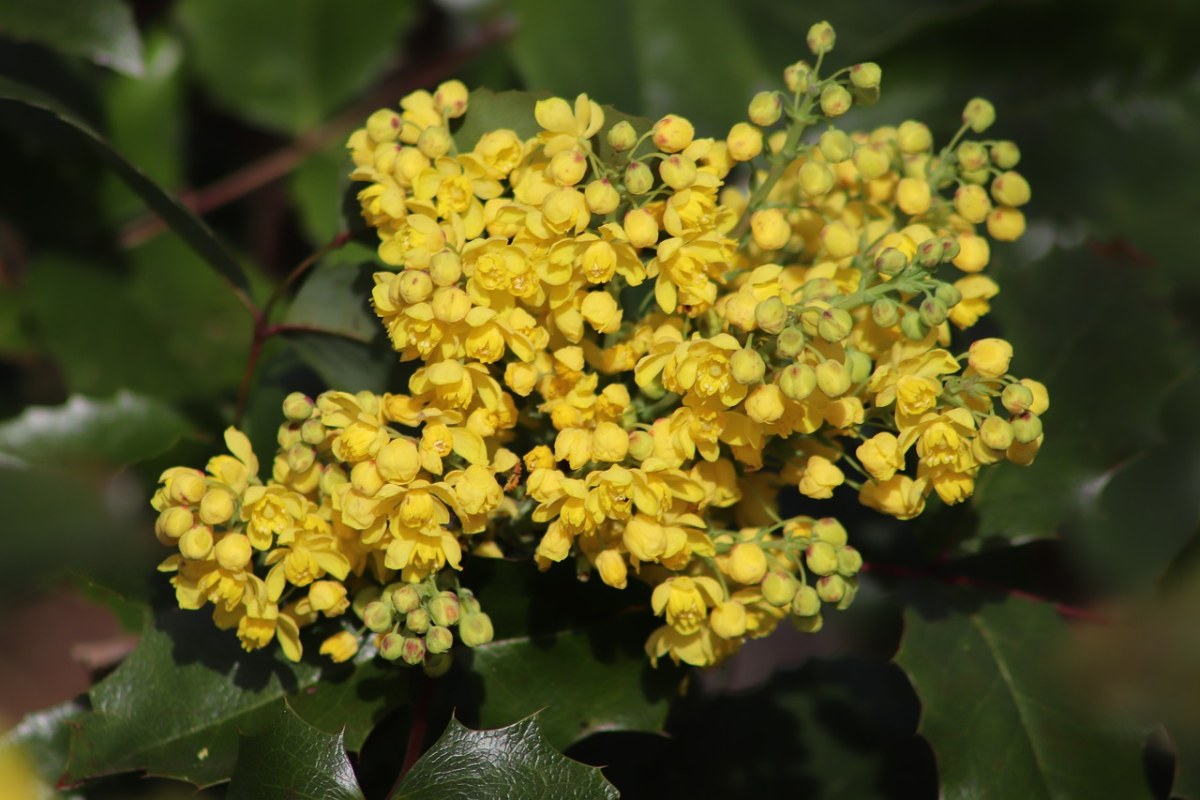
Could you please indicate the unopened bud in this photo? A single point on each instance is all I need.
(312, 432)
(979, 115)
(417, 620)
(797, 77)
(885, 312)
(444, 609)
(747, 563)
(996, 433)
(972, 155)
(835, 324)
(1016, 398)
(835, 101)
(849, 561)
(601, 196)
(807, 602)
(929, 253)
(475, 629)
(1011, 189)
(747, 366)
(638, 178)
(913, 327)
(790, 342)
(363, 598)
(833, 378)
(771, 315)
(770, 228)
(678, 171)
(828, 529)
(914, 137)
(831, 588)
(438, 639)
(821, 558)
(434, 141)
(778, 588)
(391, 646)
(948, 293)
(933, 312)
(1006, 155)
(866, 75)
(300, 457)
(891, 261)
(821, 38)
(1026, 427)
(835, 146)
(766, 108)
(641, 445)
(622, 136)
(405, 598)
(859, 364)
(297, 407)
(815, 178)
(797, 381)
(377, 616)
(412, 650)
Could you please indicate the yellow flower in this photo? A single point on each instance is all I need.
(341, 646)
(976, 290)
(900, 496)
(685, 601)
(564, 128)
(820, 478)
(990, 357)
(881, 456)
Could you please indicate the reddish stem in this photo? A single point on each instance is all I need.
(416, 734)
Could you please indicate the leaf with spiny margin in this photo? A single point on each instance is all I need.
(582, 641)
(102, 31)
(177, 706)
(513, 763)
(288, 758)
(24, 107)
(121, 430)
(1003, 717)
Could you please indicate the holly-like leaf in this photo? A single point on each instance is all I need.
(21, 107)
(103, 31)
(288, 759)
(298, 60)
(1002, 716)
(332, 327)
(584, 644)
(178, 705)
(513, 763)
(121, 430)
(43, 737)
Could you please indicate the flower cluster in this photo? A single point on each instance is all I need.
(629, 342)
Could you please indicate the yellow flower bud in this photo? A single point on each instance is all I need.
(365, 478)
(445, 609)
(451, 99)
(990, 357)
(398, 461)
(1016, 398)
(438, 639)
(1011, 189)
(796, 77)
(833, 378)
(197, 543)
(747, 563)
(540, 457)
(913, 137)
(412, 650)
(839, 240)
(765, 404)
(327, 597)
(568, 167)
(972, 203)
(611, 566)
(417, 620)
(881, 455)
(821, 477)
(1006, 224)
(451, 304)
(377, 616)
(601, 196)
(974, 253)
(996, 433)
(831, 589)
(672, 133)
(835, 146)
(678, 171)
(728, 620)
(807, 602)
(217, 506)
(744, 141)
(601, 311)
(1023, 454)
(766, 108)
(798, 381)
(747, 366)
(520, 377)
(641, 228)
(821, 38)
(972, 156)
(828, 529)
(641, 445)
(872, 161)
(834, 324)
(313, 433)
(770, 228)
(815, 178)
(835, 100)
(187, 488)
(340, 647)
(1041, 398)
(1026, 427)
(913, 196)
(391, 646)
(866, 75)
(610, 442)
(172, 523)
(434, 141)
(978, 115)
(638, 178)
(771, 315)
(821, 558)
(297, 407)
(621, 136)
(475, 629)
(1006, 155)
(405, 598)
(779, 588)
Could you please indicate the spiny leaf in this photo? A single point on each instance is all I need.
(513, 763)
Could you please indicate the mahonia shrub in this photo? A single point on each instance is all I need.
(627, 341)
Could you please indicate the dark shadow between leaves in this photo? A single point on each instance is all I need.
(195, 640)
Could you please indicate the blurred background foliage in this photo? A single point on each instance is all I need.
(1046, 630)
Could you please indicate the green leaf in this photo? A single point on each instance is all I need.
(490, 111)
(298, 61)
(43, 737)
(513, 763)
(332, 326)
(288, 758)
(102, 31)
(1002, 716)
(316, 188)
(177, 706)
(122, 430)
(584, 642)
(170, 327)
(18, 107)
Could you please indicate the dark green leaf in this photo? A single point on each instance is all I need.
(332, 326)
(122, 430)
(316, 188)
(177, 706)
(490, 111)
(298, 61)
(289, 759)
(19, 108)
(513, 763)
(100, 30)
(1002, 715)
(582, 641)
